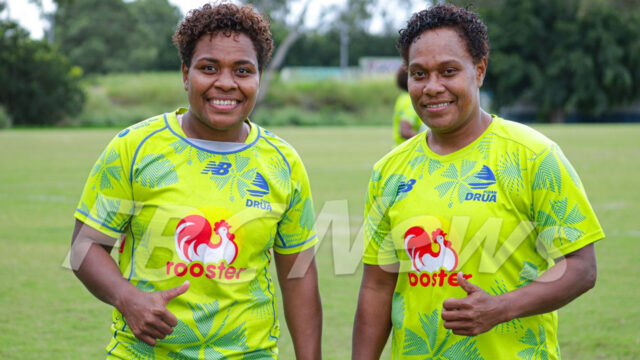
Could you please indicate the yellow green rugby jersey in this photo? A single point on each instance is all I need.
(498, 210)
(188, 213)
(403, 110)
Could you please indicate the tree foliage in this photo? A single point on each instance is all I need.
(563, 55)
(39, 85)
(111, 35)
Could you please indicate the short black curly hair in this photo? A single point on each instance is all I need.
(402, 75)
(466, 23)
(226, 18)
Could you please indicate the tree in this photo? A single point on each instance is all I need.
(562, 55)
(39, 84)
(111, 35)
(98, 35)
(157, 21)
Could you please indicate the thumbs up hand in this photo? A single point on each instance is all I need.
(146, 313)
(474, 314)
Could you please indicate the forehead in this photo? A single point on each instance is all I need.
(218, 46)
(438, 45)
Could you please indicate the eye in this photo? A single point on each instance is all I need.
(243, 71)
(209, 68)
(417, 74)
(450, 71)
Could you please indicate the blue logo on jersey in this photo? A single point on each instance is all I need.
(484, 177)
(481, 181)
(406, 186)
(216, 168)
(261, 186)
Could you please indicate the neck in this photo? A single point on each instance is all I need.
(447, 142)
(197, 129)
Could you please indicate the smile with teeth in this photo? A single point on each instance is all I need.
(439, 106)
(224, 102)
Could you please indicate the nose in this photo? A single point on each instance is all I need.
(433, 86)
(225, 81)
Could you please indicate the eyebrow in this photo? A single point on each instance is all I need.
(214, 60)
(446, 62)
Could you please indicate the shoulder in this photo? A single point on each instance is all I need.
(141, 131)
(285, 150)
(401, 154)
(523, 135)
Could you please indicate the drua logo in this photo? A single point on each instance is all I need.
(481, 181)
(216, 168)
(260, 189)
(200, 255)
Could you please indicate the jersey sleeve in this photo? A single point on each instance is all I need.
(565, 220)
(106, 202)
(296, 231)
(378, 243)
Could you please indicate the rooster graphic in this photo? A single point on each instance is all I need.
(193, 241)
(429, 254)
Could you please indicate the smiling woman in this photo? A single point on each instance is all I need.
(204, 195)
(472, 178)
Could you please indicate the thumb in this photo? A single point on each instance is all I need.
(171, 294)
(466, 285)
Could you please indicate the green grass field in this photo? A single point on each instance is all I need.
(47, 314)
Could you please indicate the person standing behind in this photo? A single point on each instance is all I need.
(199, 198)
(406, 123)
(477, 231)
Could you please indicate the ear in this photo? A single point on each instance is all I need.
(185, 76)
(481, 71)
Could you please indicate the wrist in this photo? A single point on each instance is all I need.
(121, 296)
(508, 305)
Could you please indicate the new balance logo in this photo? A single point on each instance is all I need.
(406, 186)
(216, 168)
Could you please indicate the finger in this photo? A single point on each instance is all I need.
(466, 285)
(454, 315)
(465, 332)
(457, 325)
(171, 294)
(454, 304)
(169, 319)
(162, 328)
(152, 332)
(147, 339)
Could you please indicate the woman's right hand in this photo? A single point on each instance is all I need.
(146, 313)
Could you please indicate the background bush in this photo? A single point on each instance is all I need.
(124, 99)
(5, 120)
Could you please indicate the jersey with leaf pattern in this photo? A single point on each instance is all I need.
(499, 210)
(403, 110)
(187, 213)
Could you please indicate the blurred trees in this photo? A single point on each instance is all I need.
(111, 35)
(39, 85)
(563, 55)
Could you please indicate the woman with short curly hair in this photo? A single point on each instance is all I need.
(477, 230)
(202, 199)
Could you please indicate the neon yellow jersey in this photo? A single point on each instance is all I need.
(188, 213)
(403, 110)
(498, 210)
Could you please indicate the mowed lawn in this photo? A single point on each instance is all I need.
(47, 314)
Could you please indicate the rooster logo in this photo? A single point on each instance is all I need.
(429, 254)
(193, 241)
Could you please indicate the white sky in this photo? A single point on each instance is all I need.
(28, 17)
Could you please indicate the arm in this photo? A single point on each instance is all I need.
(146, 313)
(373, 317)
(301, 300)
(480, 312)
(406, 131)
